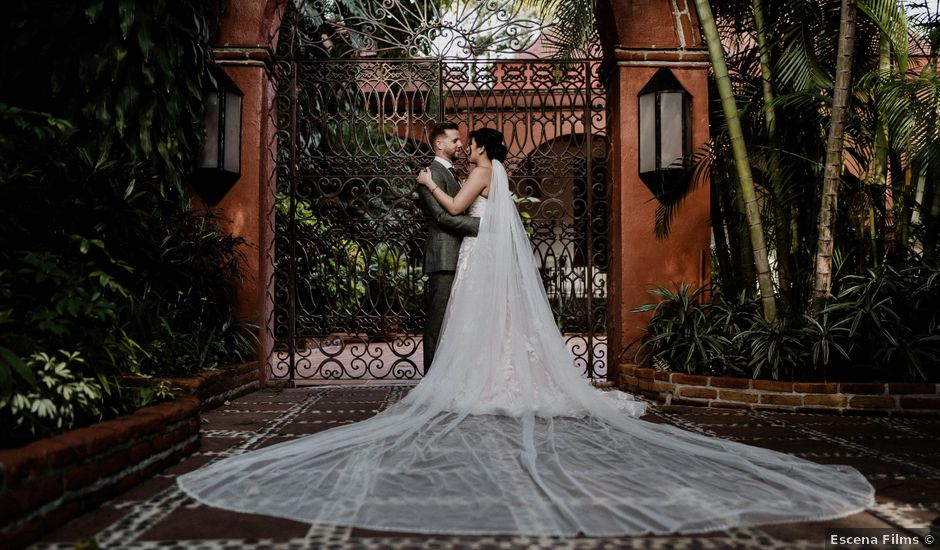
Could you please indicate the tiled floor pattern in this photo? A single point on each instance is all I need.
(901, 457)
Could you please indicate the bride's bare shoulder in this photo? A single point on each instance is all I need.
(481, 170)
(479, 178)
(481, 174)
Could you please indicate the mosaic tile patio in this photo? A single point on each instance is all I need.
(900, 456)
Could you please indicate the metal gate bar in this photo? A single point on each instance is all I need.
(349, 282)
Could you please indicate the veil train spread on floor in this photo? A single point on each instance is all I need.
(503, 436)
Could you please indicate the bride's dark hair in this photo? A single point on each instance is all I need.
(492, 141)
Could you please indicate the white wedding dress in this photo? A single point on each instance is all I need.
(503, 436)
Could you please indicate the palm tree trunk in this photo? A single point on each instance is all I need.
(742, 236)
(727, 274)
(781, 216)
(745, 178)
(880, 175)
(930, 221)
(760, 27)
(833, 167)
(740, 259)
(899, 186)
(930, 209)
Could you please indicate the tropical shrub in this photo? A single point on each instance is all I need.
(681, 335)
(889, 321)
(882, 325)
(58, 395)
(128, 75)
(102, 254)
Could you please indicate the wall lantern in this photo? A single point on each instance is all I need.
(665, 138)
(218, 165)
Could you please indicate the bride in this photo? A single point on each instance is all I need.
(503, 436)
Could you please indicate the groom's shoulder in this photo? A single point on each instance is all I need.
(438, 169)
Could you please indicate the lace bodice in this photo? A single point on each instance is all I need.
(477, 208)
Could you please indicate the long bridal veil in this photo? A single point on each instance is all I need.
(503, 436)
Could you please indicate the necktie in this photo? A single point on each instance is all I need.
(452, 172)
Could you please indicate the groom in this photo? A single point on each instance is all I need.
(444, 233)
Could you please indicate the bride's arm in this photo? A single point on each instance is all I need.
(463, 225)
(476, 182)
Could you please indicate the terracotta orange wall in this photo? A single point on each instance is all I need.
(640, 37)
(251, 23)
(647, 24)
(244, 50)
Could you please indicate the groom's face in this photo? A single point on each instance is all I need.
(449, 144)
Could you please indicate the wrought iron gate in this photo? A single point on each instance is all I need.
(352, 133)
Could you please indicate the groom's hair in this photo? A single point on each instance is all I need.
(440, 130)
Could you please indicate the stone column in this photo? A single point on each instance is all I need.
(639, 37)
(244, 51)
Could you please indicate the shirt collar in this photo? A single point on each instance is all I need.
(446, 163)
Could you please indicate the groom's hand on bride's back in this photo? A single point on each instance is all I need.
(461, 224)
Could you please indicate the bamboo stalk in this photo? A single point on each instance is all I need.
(741, 161)
(781, 217)
(834, 146)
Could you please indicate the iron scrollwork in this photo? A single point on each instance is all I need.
(412, 29)
(352, 132)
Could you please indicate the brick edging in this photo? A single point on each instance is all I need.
(48, 482)
(213, 387)
(674, 388)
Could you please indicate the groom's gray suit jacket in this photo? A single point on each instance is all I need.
(444, 230)
(440, 254)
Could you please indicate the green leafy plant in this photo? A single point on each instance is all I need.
(525, 205)
(57, 398)
(777, 347)
(889, 320)
(151, 394)
(97, 64)
(829, 338)
(101, 251)
(879, 326)
(680, 333)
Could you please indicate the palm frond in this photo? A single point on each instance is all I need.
(909, 107)
(799, 67)
(701, 172)
(571, 32)
(890, 17)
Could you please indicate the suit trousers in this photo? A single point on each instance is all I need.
(437, 294)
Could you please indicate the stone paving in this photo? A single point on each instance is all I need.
(900, 456)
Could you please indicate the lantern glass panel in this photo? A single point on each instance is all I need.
(672, 117)
(209, 155)
(233, 124)
(647, 133)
